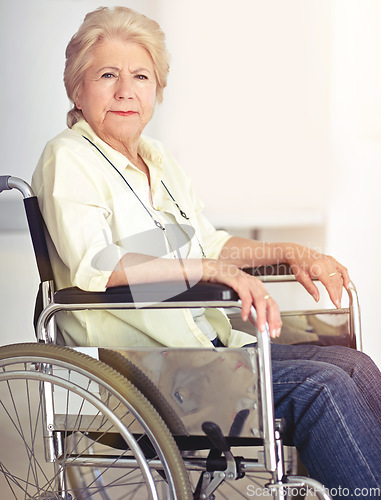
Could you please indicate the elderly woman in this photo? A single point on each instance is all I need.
(120, 211)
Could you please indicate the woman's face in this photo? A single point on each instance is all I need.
(118, 94)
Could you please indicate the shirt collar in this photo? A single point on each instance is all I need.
(150, 154)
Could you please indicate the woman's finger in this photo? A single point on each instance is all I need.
(247, 302)
(305, 279)
(344, 274)
(333, 282)
(273, 318)
(260, 305)
(267, 312)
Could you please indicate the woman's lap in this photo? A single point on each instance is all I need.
(360, 368)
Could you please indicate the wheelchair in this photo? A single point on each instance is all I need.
(97, 423)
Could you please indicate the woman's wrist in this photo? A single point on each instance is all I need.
(278, 253)
(209, 269)
(218, 271)
(290, 253)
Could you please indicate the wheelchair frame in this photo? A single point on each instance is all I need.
(212, 295)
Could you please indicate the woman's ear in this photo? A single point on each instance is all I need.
(77, 99)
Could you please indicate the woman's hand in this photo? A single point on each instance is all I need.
(250, 290)
(308, 264)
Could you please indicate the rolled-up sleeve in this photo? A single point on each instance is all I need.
(213, 239)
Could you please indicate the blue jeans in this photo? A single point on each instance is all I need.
(330, 398)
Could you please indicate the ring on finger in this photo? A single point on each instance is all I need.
(332, 274)
(266, 297)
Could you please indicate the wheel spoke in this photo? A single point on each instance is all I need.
(18, 427)
(9, 478)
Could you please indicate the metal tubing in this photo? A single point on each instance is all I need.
(53, 308)
(47, 290)
(191, 464)
(48, 421)
(302, 482)
(355, 317)
(20, 185)
(267, 400)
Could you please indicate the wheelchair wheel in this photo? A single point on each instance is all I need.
(60, 413)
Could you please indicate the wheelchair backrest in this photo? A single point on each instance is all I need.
(37, 230)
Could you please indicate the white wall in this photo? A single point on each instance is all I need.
(355, 208)
(249, 102)
(18, 288)
(275, 104)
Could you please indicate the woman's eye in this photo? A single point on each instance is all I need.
(108, 75)
(141, 77)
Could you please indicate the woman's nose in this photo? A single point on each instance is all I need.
(124, 88)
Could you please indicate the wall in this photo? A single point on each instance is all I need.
(249, 101)
(354, 222)
(275, 104)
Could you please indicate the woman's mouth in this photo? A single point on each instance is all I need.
(124, 113)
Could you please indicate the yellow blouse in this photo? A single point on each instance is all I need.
(94, 218)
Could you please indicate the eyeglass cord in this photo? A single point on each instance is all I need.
(155, 221)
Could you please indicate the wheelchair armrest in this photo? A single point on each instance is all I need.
(273, 273)
(165, 295)
(153, 292)
(148, 292)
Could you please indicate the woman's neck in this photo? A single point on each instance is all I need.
(129, 147)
